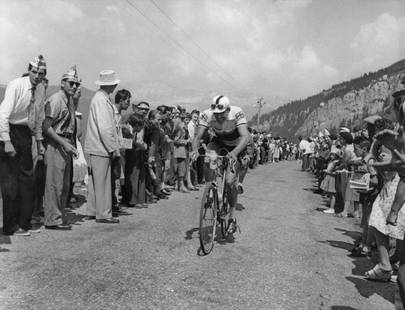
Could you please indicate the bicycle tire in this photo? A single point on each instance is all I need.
(208, 218)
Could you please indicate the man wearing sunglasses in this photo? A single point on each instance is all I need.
(231, 134)
(59, 127)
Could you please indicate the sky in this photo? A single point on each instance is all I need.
(292, 49)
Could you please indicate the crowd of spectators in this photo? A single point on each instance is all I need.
(360, 173)
(268, 149)
(344, 166)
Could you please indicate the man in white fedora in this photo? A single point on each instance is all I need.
(101, 147)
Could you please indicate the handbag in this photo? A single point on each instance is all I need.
(360, 181)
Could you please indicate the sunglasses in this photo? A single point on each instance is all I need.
(143, 109)
(219, 106)
(71, 84)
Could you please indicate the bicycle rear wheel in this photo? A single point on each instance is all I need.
(208, 218)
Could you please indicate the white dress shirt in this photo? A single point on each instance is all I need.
(14, 108)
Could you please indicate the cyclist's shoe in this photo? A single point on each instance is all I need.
(240, 188)
(232, 226)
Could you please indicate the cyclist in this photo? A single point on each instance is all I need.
(229, 125)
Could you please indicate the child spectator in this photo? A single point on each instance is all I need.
(328, 183)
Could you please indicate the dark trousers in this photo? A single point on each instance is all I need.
(134, 174)
(17, 181)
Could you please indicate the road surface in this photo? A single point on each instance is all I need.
(289, 255)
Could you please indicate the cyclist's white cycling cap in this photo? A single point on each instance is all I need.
(220, 104)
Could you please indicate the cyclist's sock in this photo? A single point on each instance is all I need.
(240, 188)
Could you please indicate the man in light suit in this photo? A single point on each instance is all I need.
(101, 148)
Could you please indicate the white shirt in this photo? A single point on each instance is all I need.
(14, 108)
(191, 129)
(226, 131)
(304, 146)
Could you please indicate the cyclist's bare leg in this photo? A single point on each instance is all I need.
(232, 185)
(242, 173)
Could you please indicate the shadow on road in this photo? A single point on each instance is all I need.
(239, 207)
(73, 217)
(338, 244)
(190, 232)
(368, 288)
(355, 235)
(313, 189)
(342, 308)
(365, 287)
(4, 240)
(225, 240)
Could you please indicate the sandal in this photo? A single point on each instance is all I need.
(378, 274)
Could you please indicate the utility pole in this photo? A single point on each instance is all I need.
(260, 104)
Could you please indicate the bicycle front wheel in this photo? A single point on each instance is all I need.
(208, 218)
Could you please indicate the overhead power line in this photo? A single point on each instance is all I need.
(178, 44)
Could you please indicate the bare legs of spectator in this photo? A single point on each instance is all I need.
(332, 202)
(383, 248)
(181, 172)
(188, 175)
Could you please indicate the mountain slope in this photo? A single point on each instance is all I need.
(346, 103)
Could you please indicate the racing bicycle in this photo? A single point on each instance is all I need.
(215, 208)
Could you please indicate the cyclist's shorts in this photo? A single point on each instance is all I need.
(222, 149)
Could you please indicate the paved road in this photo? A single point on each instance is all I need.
(288, 256)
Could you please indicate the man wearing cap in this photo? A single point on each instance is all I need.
(101, 147)
(59, 127)
(20, 119)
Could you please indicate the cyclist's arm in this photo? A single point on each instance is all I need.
(197, 138)
(244, 140)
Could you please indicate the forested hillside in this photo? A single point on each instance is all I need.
(344, 103)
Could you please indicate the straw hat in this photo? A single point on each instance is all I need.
(107, 78)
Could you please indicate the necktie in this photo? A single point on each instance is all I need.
(31, 110)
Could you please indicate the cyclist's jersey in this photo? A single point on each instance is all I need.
(226, 132)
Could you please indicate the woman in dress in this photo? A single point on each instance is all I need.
(382, 230)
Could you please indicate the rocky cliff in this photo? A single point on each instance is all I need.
(345, 104)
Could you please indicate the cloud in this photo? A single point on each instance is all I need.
(381, 41)
(61, 11)
(113, 8)
(182, 65)
(218, 14)
(32, 39)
